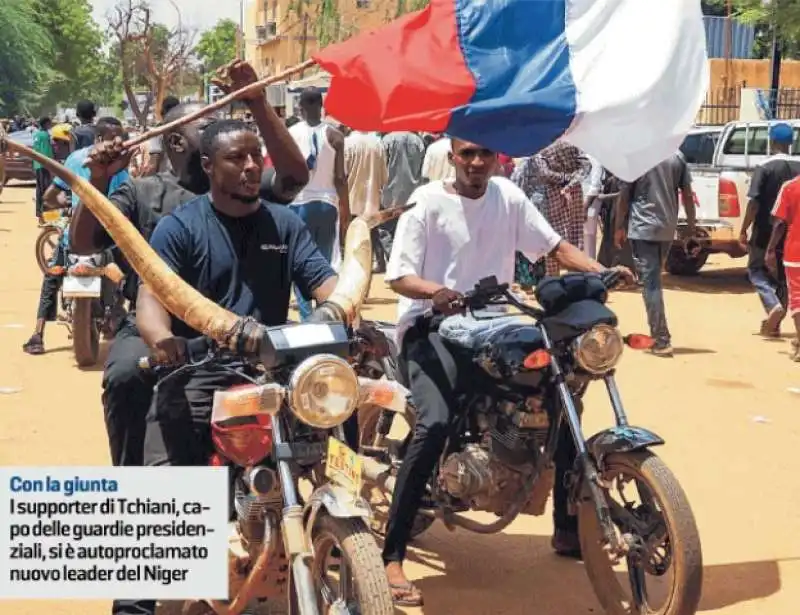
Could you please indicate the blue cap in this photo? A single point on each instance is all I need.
(781, 133)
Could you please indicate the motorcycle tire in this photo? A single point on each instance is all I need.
(682, 546)
(367, 425)
(85, 333)
(46, 244)
(362, 558)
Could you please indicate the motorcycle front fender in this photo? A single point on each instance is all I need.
(625, 439)
(337, 502)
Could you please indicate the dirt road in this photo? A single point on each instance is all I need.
(723, 404)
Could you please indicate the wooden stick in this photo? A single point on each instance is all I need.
(222, 102)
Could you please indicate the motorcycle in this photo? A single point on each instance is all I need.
(524, 404)
(92, 303)
(55, 222)
(285, 424)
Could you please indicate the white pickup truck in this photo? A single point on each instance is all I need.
(722, 160)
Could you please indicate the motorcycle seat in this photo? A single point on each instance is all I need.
(472, 334)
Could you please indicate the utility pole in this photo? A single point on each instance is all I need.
(775, 63)
(240, 33)
(304, 42)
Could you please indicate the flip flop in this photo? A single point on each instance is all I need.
(34, 346)
(406, 595)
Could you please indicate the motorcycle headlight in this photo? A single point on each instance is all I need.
(323, 391)
(598, 350)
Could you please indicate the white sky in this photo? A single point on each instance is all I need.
(201, 14)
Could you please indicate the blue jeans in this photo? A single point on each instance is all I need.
(321, 219)
(649, 257)
(772, 292)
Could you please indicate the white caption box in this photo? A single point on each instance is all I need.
(105, 533)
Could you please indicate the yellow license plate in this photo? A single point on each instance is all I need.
(343, 466)
(51, 216)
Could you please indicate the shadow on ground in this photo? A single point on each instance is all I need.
(714, 281)
(519, 574)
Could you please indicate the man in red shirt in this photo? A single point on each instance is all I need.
(785, 243)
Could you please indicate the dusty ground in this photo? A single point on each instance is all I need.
(723, 404)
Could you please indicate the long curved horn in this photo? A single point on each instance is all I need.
(184, 302)
(355, 274)
(180, 299)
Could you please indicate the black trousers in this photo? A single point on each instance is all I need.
(51, 284)
(434, 376)
(127, 395)
(43, 179)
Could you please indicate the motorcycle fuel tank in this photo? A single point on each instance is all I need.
(504, 353)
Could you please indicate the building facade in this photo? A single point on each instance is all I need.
(282, 33)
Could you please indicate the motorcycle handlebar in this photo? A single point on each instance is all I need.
(483, 294)
(196, 349)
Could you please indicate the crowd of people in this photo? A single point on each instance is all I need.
(249, 217)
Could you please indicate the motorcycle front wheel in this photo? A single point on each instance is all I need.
(348, 569)
(46, 244)
(663, 572)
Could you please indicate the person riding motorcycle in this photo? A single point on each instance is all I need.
(58, 196)
(242, 253)
(127, 390)
(460, 231)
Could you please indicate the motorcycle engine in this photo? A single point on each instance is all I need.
(490, 475)
(257, 492)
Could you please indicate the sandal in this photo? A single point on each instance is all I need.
(35, 345)
(795, 354)
(406, 595)
(767, 331)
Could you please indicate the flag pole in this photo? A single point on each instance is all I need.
(219, 104)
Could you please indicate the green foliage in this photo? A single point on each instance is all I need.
(328, 24)
(26, 52)
(51, 53)
(77, 55)
(217, 46)
(409, 6)
(783, 14)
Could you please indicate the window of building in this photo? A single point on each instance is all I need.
(362, 4)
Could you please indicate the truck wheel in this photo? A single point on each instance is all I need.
(680, 263)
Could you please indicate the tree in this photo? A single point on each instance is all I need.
(217, 46)
(25, 51)
(149, 53)
(77, 48)
(784, 15)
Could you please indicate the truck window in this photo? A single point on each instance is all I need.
(757, 146)
(699, 148)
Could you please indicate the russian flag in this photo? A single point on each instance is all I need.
(621, 79)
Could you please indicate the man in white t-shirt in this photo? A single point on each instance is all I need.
(459, 232)
(436, 164)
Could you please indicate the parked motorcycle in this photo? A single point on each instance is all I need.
(318, 555)
(524, 403)
(92, 304)
(55, 223)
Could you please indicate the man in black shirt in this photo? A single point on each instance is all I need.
(241, 253)
(83, 135)
(764, 189)
(127, 391)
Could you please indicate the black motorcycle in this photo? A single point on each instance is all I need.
(522, 409)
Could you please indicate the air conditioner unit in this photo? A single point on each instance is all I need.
(267, 32)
